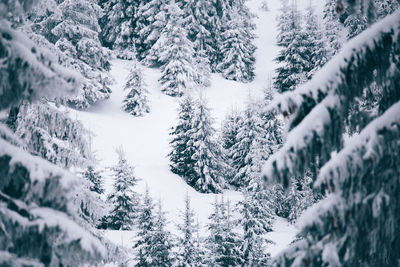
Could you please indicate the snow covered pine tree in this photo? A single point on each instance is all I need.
(208, 169)
(189, 253)
(123, 198)
(357, 224)
(38, 224)
(136, 102)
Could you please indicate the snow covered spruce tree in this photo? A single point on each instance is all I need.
(118, 24)
(39, 226)
(223, 242)
(181, 161)
(176, 52)
(95, 178)
(153, 245)
(199, 21)
(355, 225)
(48, 132)
(152, 19)
(207, 172)
(161, 241)
(314, 42)
(237, 49)
(294, 63)
(195, 155)
(271, 125)
(189, 252)
(246, 153)
(334, 29)
(124, 200)
(72, 27)
(136, 102)
(143, 244)
(299, 198)
(256, 220)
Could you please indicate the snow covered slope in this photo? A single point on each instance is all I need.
(146, 140)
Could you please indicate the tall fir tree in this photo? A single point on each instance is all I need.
(151, 20)
(355, 24)
(199, 21)
(50, 133)
(334, 29)
(136, 102)
(118, 24)
(176, 52)
(359, 175)
(39, 226)
(95, 178)
(293, 62)
(300, 197)
(181, 161)
(284, 35)
(314, 42)
(161, 241)
(208, 169)
(146, 222)
(256, 220)
(191, 251)
(124, 200)
(72, 29)
(246, 153)
(223, 242)
(237, 49)
(230, 129)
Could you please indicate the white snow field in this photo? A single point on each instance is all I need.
(145, 140)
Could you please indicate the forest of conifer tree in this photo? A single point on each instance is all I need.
(199, 133)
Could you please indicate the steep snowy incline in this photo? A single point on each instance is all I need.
(146, 140)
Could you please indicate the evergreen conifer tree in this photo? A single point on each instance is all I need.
(299, 198)
(146, 222)
(53, 135)
(223, 242)
(187, 254)
(294, 63)
(256, 221)
(118, 24)
(39, 226)
(161, 244)
(284, 37)
(349, 226)
(314, 42)
(181, 161)
(333, 28)
(230, 129)
(237, 50)
(72, 27)
(122, 197)
(136, 102)
(208, 169)
(95, 178)
(152, 19)
(198, 20)
(246, 153)
(176, 53)
(153, 246)
(190, 247)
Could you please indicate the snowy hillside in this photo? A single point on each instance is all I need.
(145, 139)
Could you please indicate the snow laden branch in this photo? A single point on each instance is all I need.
(26, 70)
(377, 144)
(35, 206)
(318, 109)
(357, 222)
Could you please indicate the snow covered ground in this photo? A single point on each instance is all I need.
(146, 140)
